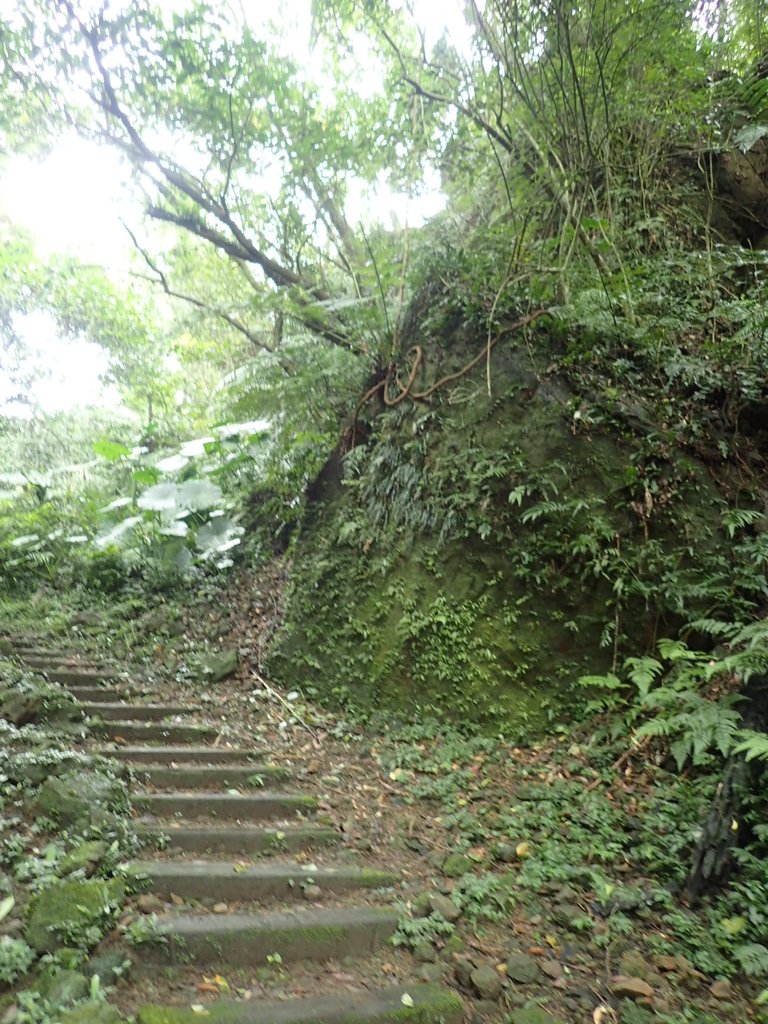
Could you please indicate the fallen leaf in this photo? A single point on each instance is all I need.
(207, 986)
(406, 1000)
(199, 1008)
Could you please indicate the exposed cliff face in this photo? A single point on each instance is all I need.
(484, 552)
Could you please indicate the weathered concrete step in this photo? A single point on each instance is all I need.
(180, 755)
(100, 694)
(261, 881)
(239, 840)
(147, 732)
(425, 1004)
(246, 940)
(78, 676)
(210, 776)
(224, 806)
(134, 712)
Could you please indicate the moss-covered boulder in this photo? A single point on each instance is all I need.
(216, 666)
(84, 857)
(71, 913)
(26, 698)
(82, 796)
(62, 989)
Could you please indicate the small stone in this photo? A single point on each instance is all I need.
(505, 852)
(430, 972)
(313, 892)
(522, 968)
(630, 988)
(568, 915)
(420, 905)
(456, 864)
(425, 953)
(633, 964)
(148, 903)
(720, 990)
(666, 964)
(445, 907)
(221, 908)
(462, 971)
(552, 968)
(435, 859)
(453, 944)
(532, 1015)
(484, 1008)
(486, 982)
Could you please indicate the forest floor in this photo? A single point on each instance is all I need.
(561, 863)
(543, 882)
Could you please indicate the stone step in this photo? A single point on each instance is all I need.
(147, 732)
(223, 806)
(78, 676)
(101, 694)
(210, 776)
(246, 940)
(418, 1004)
(180, 755)
(226, 881)
(238, 840)
(134, 712)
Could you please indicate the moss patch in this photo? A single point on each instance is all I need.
(71, 913)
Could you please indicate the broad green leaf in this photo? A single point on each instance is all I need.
(6, 906)
(145, 476)
(111, 450)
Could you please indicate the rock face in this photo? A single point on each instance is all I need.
(459, 571)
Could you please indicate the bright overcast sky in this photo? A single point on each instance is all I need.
(73, 200)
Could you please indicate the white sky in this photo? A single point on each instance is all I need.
(72, 202)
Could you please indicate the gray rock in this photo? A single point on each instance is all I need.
(430, 972)
(148, 903)
(456, 864)
(215, 667)
(445, 907)
(108, 967)
(523, 969)
(425, 953)
(462, 971)
(486, 982)
(568, 915)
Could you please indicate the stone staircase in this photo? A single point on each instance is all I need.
(224, 824)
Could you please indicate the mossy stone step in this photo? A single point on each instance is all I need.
(411, 1004)
(240, 840)
(78, 676)
(134, 712)
(246, 940)
(224, 806)
(181, 755)
(147, 732)
(225, 881)
(100, 694)
(209, 776)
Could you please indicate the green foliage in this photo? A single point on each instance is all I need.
(16, 958)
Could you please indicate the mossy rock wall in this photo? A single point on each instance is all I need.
(485, 552)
